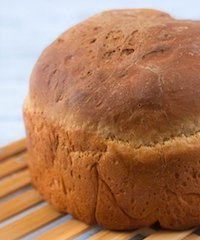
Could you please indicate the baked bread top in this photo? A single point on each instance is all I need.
(128, 75)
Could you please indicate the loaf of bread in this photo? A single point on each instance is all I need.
(112, 121)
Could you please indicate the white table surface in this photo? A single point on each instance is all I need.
(26, 27)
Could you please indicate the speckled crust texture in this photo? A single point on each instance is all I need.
(112, 121)
(109, 182)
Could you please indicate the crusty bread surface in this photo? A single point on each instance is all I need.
(112, 121)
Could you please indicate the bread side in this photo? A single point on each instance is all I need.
(111, 183)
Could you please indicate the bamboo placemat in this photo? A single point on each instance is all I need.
(24, 215)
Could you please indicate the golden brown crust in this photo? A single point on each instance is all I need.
(130, 75)
(109, 182)
(112, 121)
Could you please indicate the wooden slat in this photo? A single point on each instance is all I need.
(29, 223)
(106, 234)
(13, 164)
(19, 203)
(14, 182)
(192, 237)
(12, 149)
(169, 235)
(64, 231)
